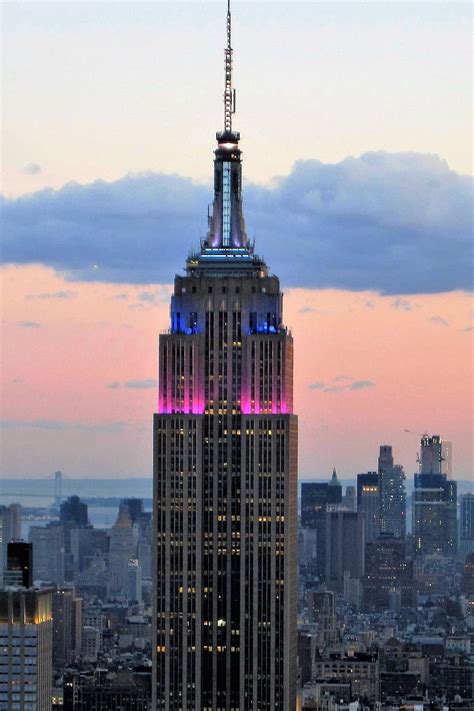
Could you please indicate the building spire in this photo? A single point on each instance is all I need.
(229, 93)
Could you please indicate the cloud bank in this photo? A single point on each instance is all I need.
(395, 223)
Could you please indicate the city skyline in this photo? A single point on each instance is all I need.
(93, 308)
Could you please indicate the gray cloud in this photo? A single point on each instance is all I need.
(438, 321)
(317, 386)
(395, 223)
(145, 384)
(141, 384)
(32, 169)
(29, 324)
(307, 310)
(402, 305)
(53, 295)
(332, 388)
(361, 384)
(159, 296)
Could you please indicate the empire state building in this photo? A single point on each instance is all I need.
(225, 471)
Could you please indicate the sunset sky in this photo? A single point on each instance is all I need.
(356, 130)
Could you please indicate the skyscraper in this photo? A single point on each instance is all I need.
(19, 570)
(65, 634)
(392, 494)
(316, 497)
(466, 524)
(10, 530)
(434, 503)
(48, 553)
(387, 569)
(368, 503)
(122, 550)
(225, 471)
(73, 514)
(345, 547)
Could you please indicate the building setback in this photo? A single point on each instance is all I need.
(225, 472)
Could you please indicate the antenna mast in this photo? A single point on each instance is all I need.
(229, 93)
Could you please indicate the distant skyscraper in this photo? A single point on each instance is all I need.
(48, 553)
(135, 509)
(121, 551)
(84, 544)
(447, 459)
(368, 503)
(466, 527)
(10, 530)
(65, 619)
(350, 498)
(322, 611)
(19, 564)
(5, 537)
(334, 493)
(467, 581)
(392, 494)
(387, 569)
(134, 581)
(15, 513)
(345, 547)
(431, 456)
(434, 503)
(73, 515)
(316, 497)
(74, 511)
(26, 650)
(225, 472)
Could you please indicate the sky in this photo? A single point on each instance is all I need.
(356, 130)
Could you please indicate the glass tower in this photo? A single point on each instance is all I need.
(225, 472)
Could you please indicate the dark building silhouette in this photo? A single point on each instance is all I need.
(322, 610)
(316, 497)
(19, 564)
(368, 503)
(67, 615)
(74, 511)
(466, 524)
(135, 509)
(225, 472)
(100, 690)
(73, 514)
(345, 547)
(467, 581)
(387, 570)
